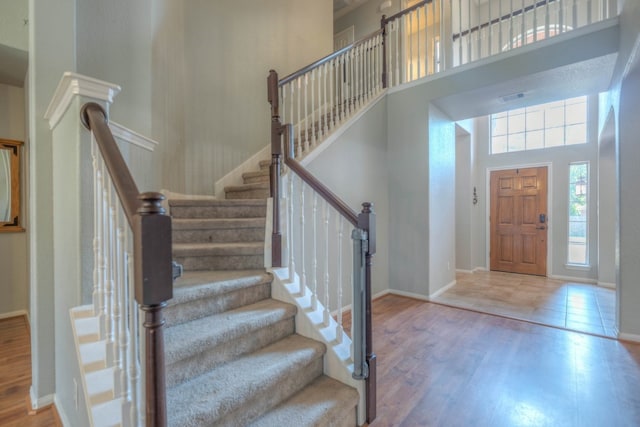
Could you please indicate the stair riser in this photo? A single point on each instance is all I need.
(249, 194)
(221, 262)
(184, 370)
(219, 235)
(196, 309)
(287, 386)
(258, 211)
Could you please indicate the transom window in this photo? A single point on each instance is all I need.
(541, 126)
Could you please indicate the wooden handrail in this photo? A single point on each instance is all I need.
(502, 18)
(406, 11)
(94, 118)
(327, 58)
(153, 272)
(329, 196)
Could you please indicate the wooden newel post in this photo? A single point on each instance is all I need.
(153, 288)
(275, 168)
(383, 26)
(367, 222)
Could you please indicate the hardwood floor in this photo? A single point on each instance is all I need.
(576, 306)
(444, 366)
(15, 378)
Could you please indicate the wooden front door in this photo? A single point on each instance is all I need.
(518, 221)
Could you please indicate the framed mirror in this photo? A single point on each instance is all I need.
(10, 185)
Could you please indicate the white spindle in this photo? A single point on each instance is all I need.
(118, 307)
(418, 51)
(574, 15)
(299, 118)
(292, 264)
(547, 20)
(510, 24)
(312, 138)
(303, 274)
(340, 224)
(535, 23)
(500, 42)
(523, 30)
(399, 27)
(489, 41)
(326, 118)
(135, 373)
(98, 295)
(410, 75)
(327, 313)
(306, 113)
(560, 17)
(460, 32)
(333, 110)
(283, 110)
(469, 33)
(314, 255)
(589, 12)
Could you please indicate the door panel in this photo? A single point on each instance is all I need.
(518, 238)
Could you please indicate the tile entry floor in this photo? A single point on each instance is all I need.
(570, 305)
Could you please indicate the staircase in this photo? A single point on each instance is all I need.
(232, 355)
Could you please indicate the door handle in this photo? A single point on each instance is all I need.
(542, 227)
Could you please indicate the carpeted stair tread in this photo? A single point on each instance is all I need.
(194, 347)
(208, 248)
(202, 293)
(198, 284)
(325, 402)
(247, 187)
(216, 223)
(219, 208)
(238, 391)
(187, 339)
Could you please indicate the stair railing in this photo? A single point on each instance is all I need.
(132, 270)
(310, 208)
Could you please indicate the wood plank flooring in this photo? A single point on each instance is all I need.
(15, 377)
(576, 306)
(444, 366)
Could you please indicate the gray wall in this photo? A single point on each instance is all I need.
(355, 168)
(442, 202)
(14, 282)
(464, 194)
(607, 201)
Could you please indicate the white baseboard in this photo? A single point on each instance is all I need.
(479, 269)
(380, 294)
(61, 414)
(459, 270)
(42, 402)
(607, 285)
(573, 279)
(443, 290)
(408, 295)
(14, 314)
(628, 337)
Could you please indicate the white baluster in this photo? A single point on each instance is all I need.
(410, 74)
(292, 264)
(97, 231)
(418, 37)
(460, 32)
(306, 113)
(118, 299)
(574, 15)
(469, 33)
(326, 103)
(314, 107)
(523, 30)
(399, 26)
(303, 274)
(332, 85)
(112, 289)
(327, 313)
(589, 12)
(500, 43)
(314, 255)
(291, 120)
(490, 30)
(134, 350)
(547, 20)
(560, 17)
(511, 24)
(535, 23)
(300, 122)
(339, 328)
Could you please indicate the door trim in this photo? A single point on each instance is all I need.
(549, 166)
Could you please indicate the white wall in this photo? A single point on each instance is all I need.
(607, 201)
(559, 159)
(365, 18)
(14, 283)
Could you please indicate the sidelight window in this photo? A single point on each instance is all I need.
(578, 238)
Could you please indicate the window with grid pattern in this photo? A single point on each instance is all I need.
(554, 124)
